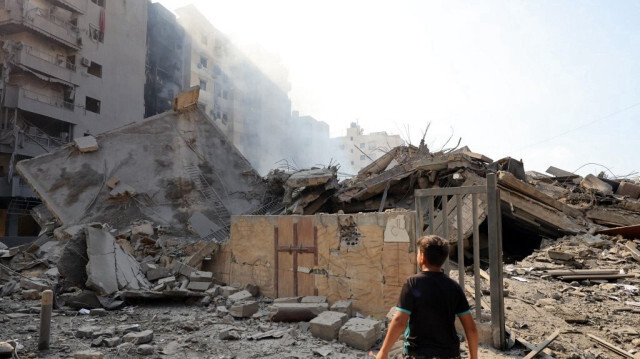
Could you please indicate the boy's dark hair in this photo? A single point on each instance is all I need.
(435, 248)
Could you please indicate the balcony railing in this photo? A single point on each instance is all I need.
(57, 102)
(64, 63)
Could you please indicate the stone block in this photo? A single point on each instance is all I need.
(228, 290)
(143, 337)
(99, 312)
(239, 296)
(86, 144)
(201, 276)
(144, 228)
(88, 354)
(343, 306)
(34, 283)
(198, 286)
(327, 325)
(295, 312)
(253, 289)
(30, 294)
(360, 333)
(86, 332)
(313, 299)
(287, 300)
(112, 342)
(113, 182)
(157, 273)
(213, 291)
(593, 182)
(167, 281)
(628, 189)
(182, 269)
(145, 350)
(244, 309)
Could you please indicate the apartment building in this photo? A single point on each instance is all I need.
(357, 150)
(69, 67)
(166, 55)
(251, 107)
(309, 143)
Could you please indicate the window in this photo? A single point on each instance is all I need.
(91, 104)
(95, 69)
(342, 147)
(362, 157)
(362, 145)
(224, 118)
(202, 105)
(95, 34)
(351, 138)
(216, 70)
(98, 2)
(203, 62)
(372, 145)
(225, 94)
(203, 85)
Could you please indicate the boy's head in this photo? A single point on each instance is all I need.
(435, 249)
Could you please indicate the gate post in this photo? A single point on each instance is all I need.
(495, 262)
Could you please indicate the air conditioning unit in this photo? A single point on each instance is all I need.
(86, 62)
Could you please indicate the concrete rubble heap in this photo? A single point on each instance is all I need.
(138, 215)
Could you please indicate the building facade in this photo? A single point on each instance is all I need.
(166, 55)
(68, 66)
(308, 144)
(250, 106)
(358, 150)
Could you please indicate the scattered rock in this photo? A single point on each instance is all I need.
(143, 337)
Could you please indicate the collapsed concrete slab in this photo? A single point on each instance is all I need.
(327, 325)
(178, 163)
(110, 268)
(360, 333)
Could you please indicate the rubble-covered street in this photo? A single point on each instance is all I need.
(179, 254)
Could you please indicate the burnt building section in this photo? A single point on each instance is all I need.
(165, 59)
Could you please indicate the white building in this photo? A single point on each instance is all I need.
(356, 150)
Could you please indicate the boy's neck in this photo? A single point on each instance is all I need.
(429, 268)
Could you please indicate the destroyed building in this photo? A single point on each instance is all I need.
(168, 208)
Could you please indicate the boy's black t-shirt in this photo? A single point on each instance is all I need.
(432, 300)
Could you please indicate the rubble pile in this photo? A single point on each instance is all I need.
(127, 223)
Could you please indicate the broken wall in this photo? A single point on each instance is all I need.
(364, 257)
(175, 163)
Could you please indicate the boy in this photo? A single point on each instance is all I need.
(429, 303)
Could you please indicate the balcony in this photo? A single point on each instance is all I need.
(17, 188)
(42, 104)
(37, 20)
(77, 6)
(37, 60)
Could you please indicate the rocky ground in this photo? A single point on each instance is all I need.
(178, 331)
(537, 303)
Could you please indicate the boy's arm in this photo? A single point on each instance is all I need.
(397, 326)
(471, 332)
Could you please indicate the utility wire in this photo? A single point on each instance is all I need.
(584, 125)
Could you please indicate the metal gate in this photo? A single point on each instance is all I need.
(426, 198)
(296, 253)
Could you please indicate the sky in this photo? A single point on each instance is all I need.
(548, 82)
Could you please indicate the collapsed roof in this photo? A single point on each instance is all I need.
(167, 169)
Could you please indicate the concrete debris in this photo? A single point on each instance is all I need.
(86, 144)
(327, 325)
(110, 268)
(360, 333)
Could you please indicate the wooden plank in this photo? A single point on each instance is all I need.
(611, 347)
(306, 281)
(450, 191)
(628, 232)
(540, 211)
(285, 259)
(545, 353)
(510, 181)
(595, 276)
(543, 345)
(559, 272)
(635, 253)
